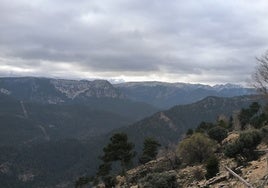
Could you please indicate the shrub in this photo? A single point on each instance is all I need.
(217, 133)
(264, 133)
(160, 180)
(244, 145)
(196, 149)
(212, 166)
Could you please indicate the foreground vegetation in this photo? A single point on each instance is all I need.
(207, 145)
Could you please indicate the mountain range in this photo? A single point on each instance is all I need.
(165, 95)
(52, 131)
(159, 94)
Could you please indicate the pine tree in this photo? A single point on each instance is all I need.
(150, 146)
(119, 149)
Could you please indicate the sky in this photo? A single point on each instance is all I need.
(193, 41)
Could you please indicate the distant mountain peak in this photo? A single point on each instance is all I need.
(49, 90)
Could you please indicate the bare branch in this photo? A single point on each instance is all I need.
(239, 177)
(260, 76)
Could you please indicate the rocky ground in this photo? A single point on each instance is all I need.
(254, 173)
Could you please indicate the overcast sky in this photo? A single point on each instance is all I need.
(208, 41)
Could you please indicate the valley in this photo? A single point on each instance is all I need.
(56, 129)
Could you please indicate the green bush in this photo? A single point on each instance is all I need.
(196, 149)
(212, 167)
(217, 133)
(244, 145)
(160, 180)
(264, 133)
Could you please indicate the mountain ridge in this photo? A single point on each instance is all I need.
(159, 94)
(50, 90)
(165, 95)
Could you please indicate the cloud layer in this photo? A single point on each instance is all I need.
(190, 41)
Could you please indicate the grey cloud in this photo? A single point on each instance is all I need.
(161, 37)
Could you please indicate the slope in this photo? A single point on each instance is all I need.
(170, 125)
